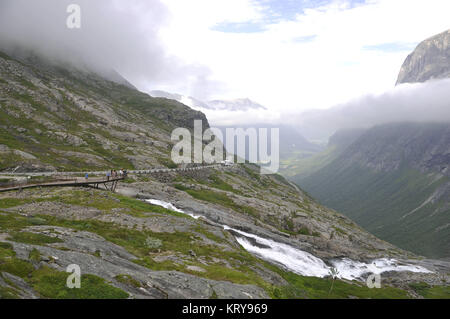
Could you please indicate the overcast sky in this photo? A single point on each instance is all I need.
(299, 54)
(288, 55)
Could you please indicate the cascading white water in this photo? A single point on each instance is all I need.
(298, 261)
(354, 270)
(167, 205)
(304, 263)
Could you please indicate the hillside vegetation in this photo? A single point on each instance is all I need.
(394, 182)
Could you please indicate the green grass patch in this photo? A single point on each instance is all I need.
(7, 255)
(251, 172)
(16, 267)
(12, 202)
(106, 203)
(167, 162)
(8, 293)
(50, 283)
(181, 187)
(128, 280)
(5, 246)
(340, 231)
(10, 264)
(211, 197)
(13, 222)
(218, 198)
(210, 235)
(431, 292)
(133, 240)
(218, 183)
(166, 265)
(319, 288)
(33, 239)
(35, 255)
(304, 231)
(224, 273)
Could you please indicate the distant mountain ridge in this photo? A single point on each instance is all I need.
(235, 105)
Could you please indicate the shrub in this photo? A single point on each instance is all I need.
(153, 243)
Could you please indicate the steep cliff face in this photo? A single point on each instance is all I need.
(430, 60)
(425, 147)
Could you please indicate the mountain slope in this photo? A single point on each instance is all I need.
(394, 181)
(81, 119)
(126, 244)
(430, 60)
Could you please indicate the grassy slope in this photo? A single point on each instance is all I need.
(49, 283)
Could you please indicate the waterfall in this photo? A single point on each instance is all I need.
(304, 263)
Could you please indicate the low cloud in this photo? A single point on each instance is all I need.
(241, 118)
(115, 34)
(419, 102)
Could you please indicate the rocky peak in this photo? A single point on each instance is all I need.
(430, 60)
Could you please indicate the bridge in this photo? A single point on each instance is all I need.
(110, 183)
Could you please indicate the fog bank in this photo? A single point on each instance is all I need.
(114, 34)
